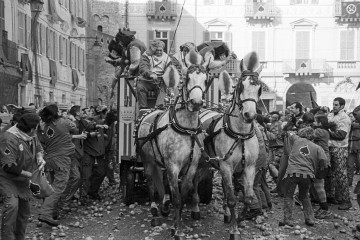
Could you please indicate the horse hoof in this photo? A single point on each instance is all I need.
(154, 212)
(235, 236)
(227, 219)
(165, 210)
(155, 222)
(195, 215)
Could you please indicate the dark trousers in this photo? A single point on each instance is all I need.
(98, 175)
(353, 164)
(142, 89)
(73, 183)
(87, 163)
(290, 184)
(110, 169)
(16, 213)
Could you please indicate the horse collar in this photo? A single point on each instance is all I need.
(173, 122)
(233, 134)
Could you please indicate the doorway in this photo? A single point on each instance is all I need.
(303, 93)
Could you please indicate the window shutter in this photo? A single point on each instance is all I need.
(73, 55)
(43, 39)
(56, 47)
(28, 31)
(206, 36)
(47, 42)
(21, 29)
(60, 48)
(350, 45)
(258, 43)
(228, 39)
(150, 36)
(68, 52)
(172, 42)
(38, 38)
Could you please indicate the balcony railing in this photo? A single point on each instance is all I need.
(232, 67)
(348, 11)
(346, 64)
(162, 10)
(259, 10)
(305, 67)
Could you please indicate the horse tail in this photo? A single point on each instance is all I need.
(157, 177)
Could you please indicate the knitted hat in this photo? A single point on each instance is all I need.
(307, 133)
(29, 120)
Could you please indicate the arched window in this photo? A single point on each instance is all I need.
(99, 28)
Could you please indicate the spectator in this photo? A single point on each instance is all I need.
(354, 147)
(356, 114)
(338, 148)
(17, 165)
(296, 110)
(56, 140)
(305, 159)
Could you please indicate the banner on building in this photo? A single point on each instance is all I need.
(350, 10)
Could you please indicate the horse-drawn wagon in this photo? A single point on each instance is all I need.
(132, 179)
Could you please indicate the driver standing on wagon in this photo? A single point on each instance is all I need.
(152, 66)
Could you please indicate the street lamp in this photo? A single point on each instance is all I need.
(36, 5)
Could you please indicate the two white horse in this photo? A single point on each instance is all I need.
(173, 139)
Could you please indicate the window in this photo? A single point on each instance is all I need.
(27, 31)
(21, 33)
(258, 44)
(99, 28)
(302, 45)
(68, 50)
(225, 36)
(63, 98)
(38, 37)
(55, 46)
(72, 51)
(51, 97)
(2, 14)
(216, 36)
(347, 45)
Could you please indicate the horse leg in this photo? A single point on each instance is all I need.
(248, 179)
(165, 206)
(195, 200)
(173, 175)
(231, 202)
(227, 214)
(151, 188)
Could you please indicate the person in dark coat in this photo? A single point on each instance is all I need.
(20, 154)
(57, 143)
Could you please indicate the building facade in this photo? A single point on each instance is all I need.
(104, 22)
(309, 49)
(50, 56)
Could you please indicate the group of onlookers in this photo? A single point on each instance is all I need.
(78, 149)
(313, 153)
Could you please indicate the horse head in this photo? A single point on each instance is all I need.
(195, 85)
(248, 88)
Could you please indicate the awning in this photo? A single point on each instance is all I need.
(26, 68)
(75, 79)
(53, 72)
(53, 14)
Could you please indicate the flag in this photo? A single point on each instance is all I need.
(357, 87)
(313, 102)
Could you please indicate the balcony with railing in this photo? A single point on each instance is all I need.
(259, 10)
(305, 67)
(348, 11)
(161, 10)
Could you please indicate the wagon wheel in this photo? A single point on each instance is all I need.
(205, 188)
(129, 186)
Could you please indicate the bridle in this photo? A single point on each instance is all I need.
(185, 92)
(254, 80)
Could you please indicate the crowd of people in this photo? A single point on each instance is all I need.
(313, 156)
(78, 149)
